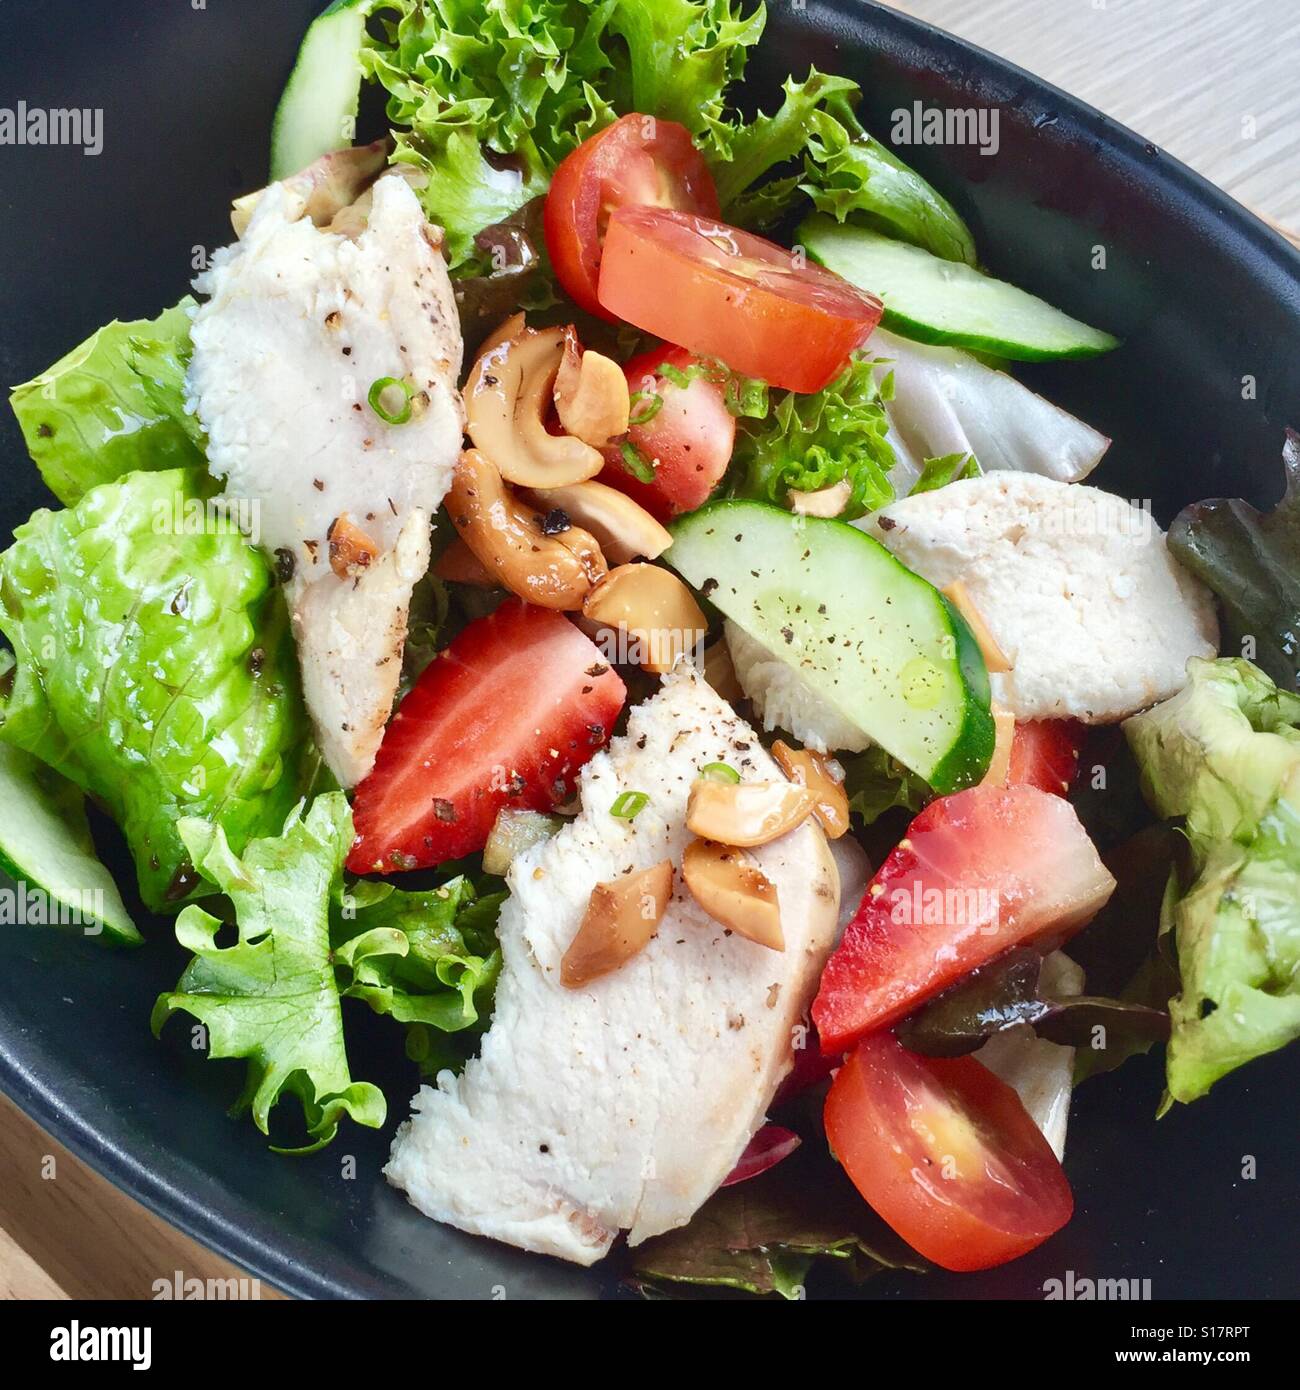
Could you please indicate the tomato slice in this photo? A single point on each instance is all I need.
(729, 294)
(977, 873)
(504, 716)
(1045, 754)
(946, 1154)
(687, 441)
(637, 161)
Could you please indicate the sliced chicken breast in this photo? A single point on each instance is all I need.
(623, 1104)
(301, 323)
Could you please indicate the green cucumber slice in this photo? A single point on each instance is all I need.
(45, 844)
(874, 640)
(318, 107)
(938, 301)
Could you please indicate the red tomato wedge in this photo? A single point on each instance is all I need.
(637, 161)
(977, 873)
(1045, 754)
(945, 1153)
(687, 441)
(505, 716)
(724, 293)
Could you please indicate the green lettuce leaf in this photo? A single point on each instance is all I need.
(947, 468)
(424, 958)
(272, 997)
(114, 404)
(155, 669)
(486, 100)
(807, 442)
(876, 783)
(1251, 560)
(1224, 754)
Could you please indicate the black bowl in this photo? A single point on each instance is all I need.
(1203, 295)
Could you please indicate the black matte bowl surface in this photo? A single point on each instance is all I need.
(1202, 294)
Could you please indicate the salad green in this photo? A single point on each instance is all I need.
(1224, 755)
(155, 669)
(113, 404)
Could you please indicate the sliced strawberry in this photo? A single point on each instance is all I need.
(1045, 754)
(505, 716)
(977, 873)
(687, 441)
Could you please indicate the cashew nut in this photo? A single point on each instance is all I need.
(591, 395)
(734, 891)
(506, 401)
(551, 571)
(995, 659)
(826, 501)
(621, 919)
(1004, 733)
(459, 565)
(721, 673)
(326, 186)
(824, 779)
(746, 813)
(654, 608)
(351, 550)
(625, 530)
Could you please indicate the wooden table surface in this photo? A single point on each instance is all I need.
(1213, 83)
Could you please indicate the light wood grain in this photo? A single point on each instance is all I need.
(65, 1232)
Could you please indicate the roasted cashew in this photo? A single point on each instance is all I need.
(556, 571)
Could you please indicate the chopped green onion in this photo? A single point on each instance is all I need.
(643, 414)
(746, 396)
(719, 772)
(679, 378)
(376, 394)
(629, 805)
(637, 464)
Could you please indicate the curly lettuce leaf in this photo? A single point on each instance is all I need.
(155, 669)
(1251, 560)
(272, 997)
(423, 958)
(1224, 754)
(487, 99)
(114, 404)
(947, 468)
(876, 783)
(803, 443)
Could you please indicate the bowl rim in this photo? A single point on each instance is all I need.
(1241, 234)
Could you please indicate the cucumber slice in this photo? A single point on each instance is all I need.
(874, 640)
(45, 843)
(937, 301)
(318, 108)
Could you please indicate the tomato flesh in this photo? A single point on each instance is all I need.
(946, 1154)
(1045, 754)
(687, 441)
(725, 293)
(977, 873)
(504, 716)
(637, 161)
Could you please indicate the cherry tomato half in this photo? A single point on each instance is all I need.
(721, 292)
(946, 1154)
(639, 160)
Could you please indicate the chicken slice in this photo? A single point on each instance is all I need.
(301, 322)
(623, 1104)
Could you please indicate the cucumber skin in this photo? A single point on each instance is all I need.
(975, 342)
(971, 750)
(113, 933)
(919, 332)
(282, 164)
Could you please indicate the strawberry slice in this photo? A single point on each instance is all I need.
(505, 716)
(977, 873)
(1045, 754)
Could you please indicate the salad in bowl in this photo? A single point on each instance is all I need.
(579, 577)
